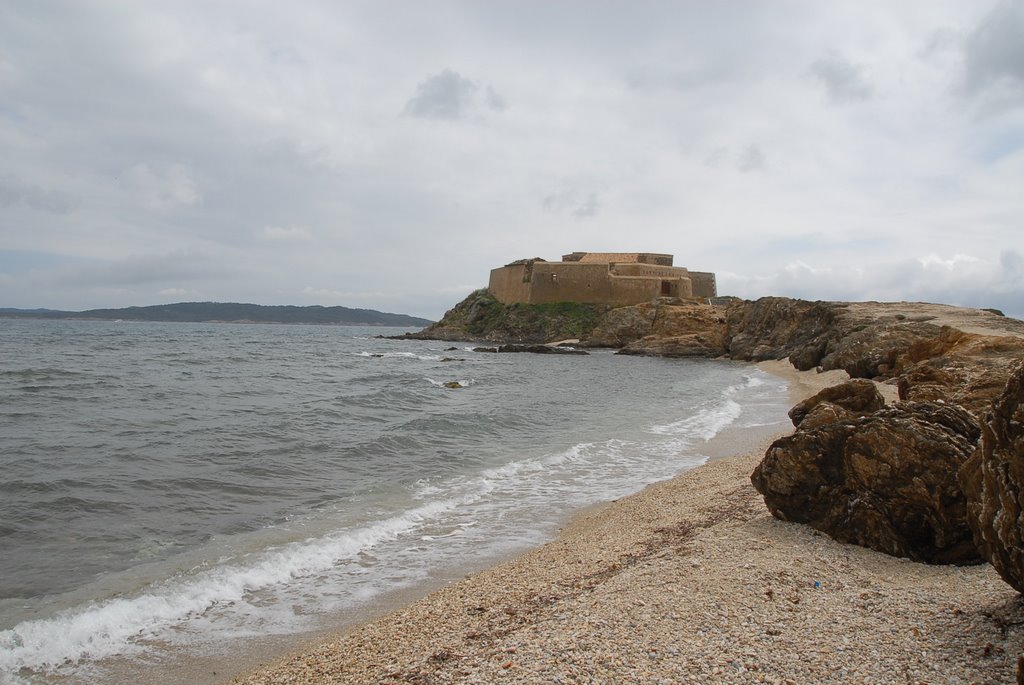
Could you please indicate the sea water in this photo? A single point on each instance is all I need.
(170, 490)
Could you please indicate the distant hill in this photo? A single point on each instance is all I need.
(227, 312)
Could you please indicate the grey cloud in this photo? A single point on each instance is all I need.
(573, 202)
(994, 51)
(162, 188)
(656, 77)
(844, 81)
(145, 269)
(449, 95)
(751, 159)
(14, 192)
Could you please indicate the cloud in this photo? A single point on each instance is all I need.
(286, 234)
(752, 159)
(179, 293)
(162, 189)
(331, 295)
(994, 56)
(14, 192)
(579, 204)
(844, 81)
(180, 265)
(258, 150)
(449, 95)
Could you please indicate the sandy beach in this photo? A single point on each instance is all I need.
(689, 580)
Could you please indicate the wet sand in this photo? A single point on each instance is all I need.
(689, 580)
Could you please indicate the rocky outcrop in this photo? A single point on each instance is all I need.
(780, 327)
(846, 400)
(480, 317)
(870, 339)
(663, 328)
(993, 481)
(968, 369)
(886, 480)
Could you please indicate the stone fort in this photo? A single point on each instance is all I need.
(618, 279)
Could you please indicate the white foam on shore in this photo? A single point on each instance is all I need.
(117, 626)
(275, 590)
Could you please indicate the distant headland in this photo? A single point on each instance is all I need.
(229, 312)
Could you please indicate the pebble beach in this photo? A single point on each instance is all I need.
(689, 580)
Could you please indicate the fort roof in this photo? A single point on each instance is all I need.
(618, 258)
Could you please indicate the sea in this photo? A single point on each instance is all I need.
(179, 502)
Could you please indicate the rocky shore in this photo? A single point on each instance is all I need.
(690, 580)
(705, 578)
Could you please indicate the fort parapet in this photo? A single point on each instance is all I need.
(618, 279)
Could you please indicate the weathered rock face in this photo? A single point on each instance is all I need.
(866, 339)
(779, 327)
(664, 328)
(877, 349)
(858, 397)
(885, 481)
(964, 368)
(993, 481)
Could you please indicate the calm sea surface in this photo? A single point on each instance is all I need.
(168, 490)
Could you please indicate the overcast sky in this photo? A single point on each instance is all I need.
(387, 155)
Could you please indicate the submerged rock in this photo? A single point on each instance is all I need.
(540, 349)
(993, 481)
(886, 481)
(453, 384)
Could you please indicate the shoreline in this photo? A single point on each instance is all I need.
(688, 580)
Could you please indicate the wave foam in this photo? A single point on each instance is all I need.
(117, 626)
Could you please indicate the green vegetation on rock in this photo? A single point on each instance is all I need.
(481, 317)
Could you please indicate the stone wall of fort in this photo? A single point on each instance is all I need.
(539, 282)
(617, 279)
(704, 285)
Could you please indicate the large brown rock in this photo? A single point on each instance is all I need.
(964, 368)
(886, 481)
(857, 397)
(780, 327)
(993, 480)
(663, 327)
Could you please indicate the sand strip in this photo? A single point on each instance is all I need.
(689, 580)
